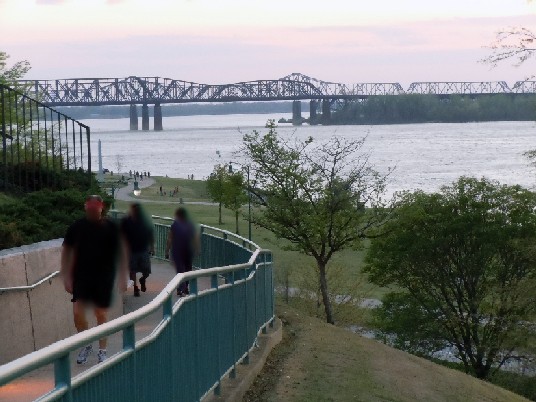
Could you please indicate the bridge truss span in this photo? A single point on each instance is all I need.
(459, 88)
(156, 90)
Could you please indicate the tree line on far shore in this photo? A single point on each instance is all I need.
(402, 109)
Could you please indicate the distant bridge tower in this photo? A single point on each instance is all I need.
(145, 117)
(296, 113)
(326, 110)
(313, 105)
(158, 117)
(133, 117)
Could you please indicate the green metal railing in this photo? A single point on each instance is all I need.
(200, 339)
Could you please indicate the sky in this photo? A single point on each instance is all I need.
(226, 41)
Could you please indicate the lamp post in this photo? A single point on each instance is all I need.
(137, 190)
(249, 194)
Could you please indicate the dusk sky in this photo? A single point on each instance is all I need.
(224, 41)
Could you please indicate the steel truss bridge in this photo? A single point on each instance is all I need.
(157, 90)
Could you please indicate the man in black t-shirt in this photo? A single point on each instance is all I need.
(91, 251)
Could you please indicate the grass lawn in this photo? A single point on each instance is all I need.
(189, 190)
(321, 362)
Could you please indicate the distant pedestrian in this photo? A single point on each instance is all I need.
(148, 174)
(137, 230)
(161, 190)
(130, 172)
(183, 243)
(92, 249)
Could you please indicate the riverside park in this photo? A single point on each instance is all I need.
(263, 201)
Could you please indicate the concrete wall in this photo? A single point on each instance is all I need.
(30, 320)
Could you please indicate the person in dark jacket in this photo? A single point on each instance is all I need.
(183, 242)
(137, 229)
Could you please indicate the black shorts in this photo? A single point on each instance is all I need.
(140, 262)
(99, 295)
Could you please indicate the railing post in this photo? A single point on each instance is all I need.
(264, 299)
(214, 285)
(167, 308)
(246, 305)
(272, 298)
(4, 135)
(232, 374)
(129, 338)
(62, 375)
(88, 139)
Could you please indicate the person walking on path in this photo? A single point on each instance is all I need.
(137, 230)
(91, 251)
(184, 245)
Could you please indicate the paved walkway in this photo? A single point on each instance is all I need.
(41, 381)
(124, 194)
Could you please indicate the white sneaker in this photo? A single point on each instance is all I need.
(101, 356)
(84, 354)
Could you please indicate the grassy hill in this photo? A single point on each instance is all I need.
(320, 362)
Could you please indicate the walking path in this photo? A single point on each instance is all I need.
(41, 381)
(124, 194)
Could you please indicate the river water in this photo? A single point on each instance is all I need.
(425, 156)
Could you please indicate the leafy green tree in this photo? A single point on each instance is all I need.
(9, 76)
(466, 259)
(216, 186)
(314, 196)
(234, 195)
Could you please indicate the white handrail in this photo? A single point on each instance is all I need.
(30, 287)
(52, 352)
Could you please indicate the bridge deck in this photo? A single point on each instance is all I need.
(41, 381)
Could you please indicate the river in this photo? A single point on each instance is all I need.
(425, 156)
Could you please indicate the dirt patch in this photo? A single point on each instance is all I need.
(266, 380)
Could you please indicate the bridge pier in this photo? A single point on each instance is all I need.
(312, 112)
(158, 117)
(145, 117)
(326, 111)
(296, 113)
(133, 117)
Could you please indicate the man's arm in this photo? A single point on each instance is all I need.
(67, 267)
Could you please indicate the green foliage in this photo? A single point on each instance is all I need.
(234, 195)
(216, 186)
(9, 75)
(401, 314)
(44, 214)
(466, 256)
(314, 195)
(431, 108)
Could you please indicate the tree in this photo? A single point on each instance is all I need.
(314, 196)
(234, 195)
(119, 163)
(465, 258)
(216, 186)
(516, 43)
(9, 76)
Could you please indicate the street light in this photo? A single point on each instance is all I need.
(137, 190)
(249, 194)
(113, 196)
